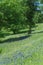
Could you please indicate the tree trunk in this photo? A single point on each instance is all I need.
(29, 29)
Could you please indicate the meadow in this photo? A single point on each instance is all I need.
(23, 48)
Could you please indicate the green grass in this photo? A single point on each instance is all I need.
(28, 51)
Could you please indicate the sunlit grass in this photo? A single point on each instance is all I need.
(28, 51)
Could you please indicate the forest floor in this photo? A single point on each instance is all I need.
(23, 48)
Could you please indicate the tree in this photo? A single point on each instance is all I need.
(30, 14)
(13, 15)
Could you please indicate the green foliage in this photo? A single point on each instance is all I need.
(30, 14)
(40, 20)
(17, 14)
(12, 14)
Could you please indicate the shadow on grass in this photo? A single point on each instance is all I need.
(20, 32)
(19, 38)
(15, 39)
(37, 32)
